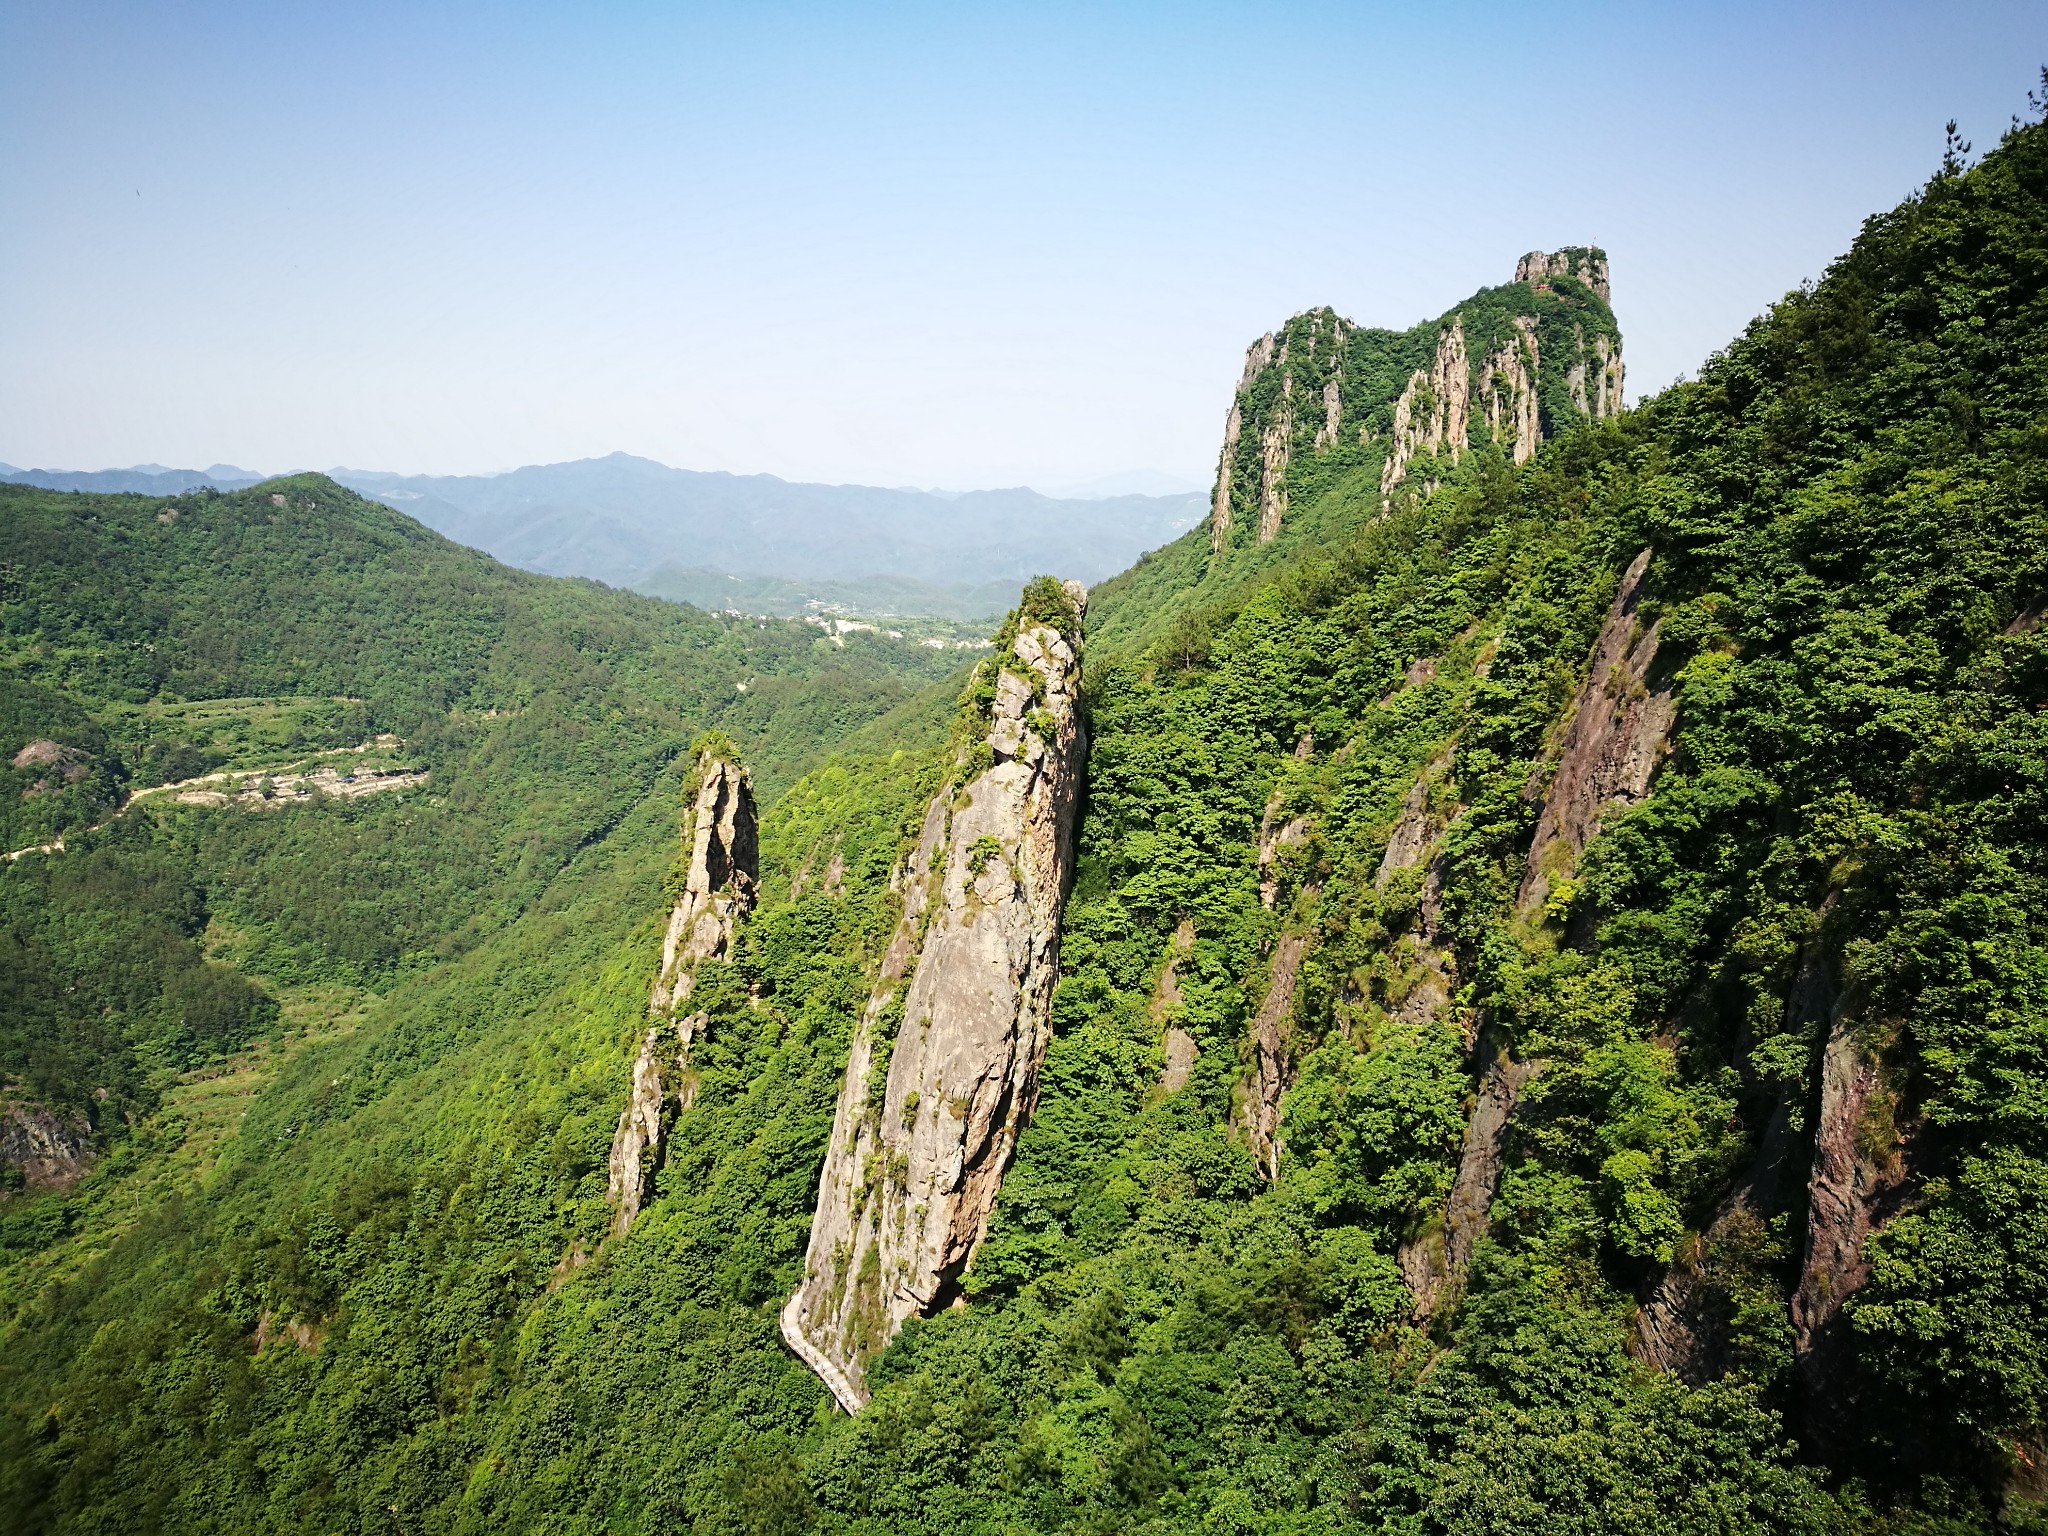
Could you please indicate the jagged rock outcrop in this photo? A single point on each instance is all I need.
(1274, 445)
(1257, 358)
(719, 889)
(1272, 1071)
(1275, 837)
(1585, 262)
(944, 1067)
(1613, 740)
(1680, 1328)
(1507, 391)
(1310, 403)
(1434, 1261)
(723, 830)
(1433, 413)
(1177, 1046)
(1416, 840)
(52, 1151)
(1861, 1178)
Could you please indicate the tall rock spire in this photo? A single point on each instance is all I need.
(724, 836)
(944, 1067)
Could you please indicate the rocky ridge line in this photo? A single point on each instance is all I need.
(1457, 400)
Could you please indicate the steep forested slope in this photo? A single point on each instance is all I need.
(145, 640)
(1525, 936)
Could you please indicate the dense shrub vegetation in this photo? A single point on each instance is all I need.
(391, 1305)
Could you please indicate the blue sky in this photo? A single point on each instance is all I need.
(948, 245)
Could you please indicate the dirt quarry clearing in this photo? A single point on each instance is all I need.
(267, 788)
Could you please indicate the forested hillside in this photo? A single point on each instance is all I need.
(224, 642)
(1549, 1033)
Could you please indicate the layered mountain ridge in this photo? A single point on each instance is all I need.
(1511, 1001)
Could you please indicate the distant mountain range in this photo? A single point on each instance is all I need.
(757, 542)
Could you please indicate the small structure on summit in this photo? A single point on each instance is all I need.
(723, 831)
(944, 1066)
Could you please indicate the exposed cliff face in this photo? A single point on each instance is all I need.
(1177, 1046)
(723, 830)
(1313, 401)
(1433, 413)
(944, 1068)
(53, 1152)
(1417, 840)
(1257, 358)
(1860, 1180)
(719, 890)
(1586, 263)
(1272, 1072)
(1434, 1262)
(1507, 392)
(1681, 1328)
(1613, 740)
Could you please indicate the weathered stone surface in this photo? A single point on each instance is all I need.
(1275, 836)
(1587, 263)
(1433, 414)
(1176, 1044)
(1608, 377)
(1681, 1327)
(1611, 744)
(1614, 738)
(1257, 358)
(1861, 1178)
(930, 1108)
(52, 1151)
(1333, 414)
(1275, 444)
(1272, 1058)
(718, 890)
(1507, 392)
(1433, 1262)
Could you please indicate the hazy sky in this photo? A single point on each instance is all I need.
(945, 245)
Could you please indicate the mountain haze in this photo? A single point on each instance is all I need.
(1495, 984)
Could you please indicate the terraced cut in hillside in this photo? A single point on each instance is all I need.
(1506, 996)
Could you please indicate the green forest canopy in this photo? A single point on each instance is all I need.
(389, 1305)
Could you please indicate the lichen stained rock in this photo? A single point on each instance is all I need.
(1682, 1325)
(1613, 740)
(943, 1070)
(52, 1151)
(1861, 1177)
(718, 890)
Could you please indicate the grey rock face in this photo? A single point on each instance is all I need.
(1434, 1263)
(1507, 392)
(1681, 1327)
(1612, 744)
(1258, 356)
(1176, 1045)
(1272, 1056)
(51, 1151)
(1861, 1178)
(1588, 263)
(719, 890)
(944, 1068)
(1433, 414)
